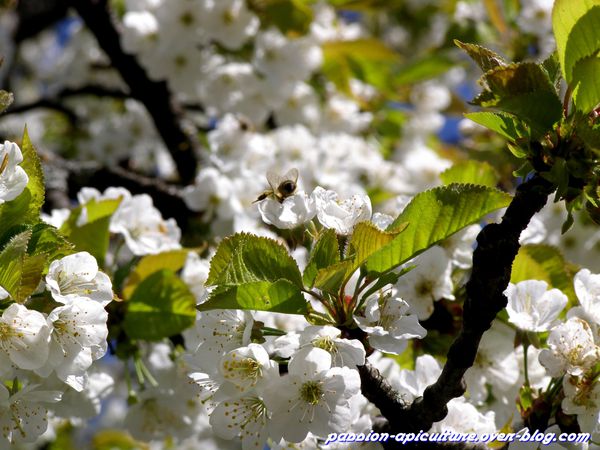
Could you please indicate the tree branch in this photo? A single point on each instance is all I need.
(497, 247)
(36, 15)
(166, 113)
(68, 177)
(44, 103)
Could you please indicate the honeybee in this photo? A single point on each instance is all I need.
(282, 187)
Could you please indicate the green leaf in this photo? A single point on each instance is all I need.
(172, 260)
(11, 260)
(552, 67)
(485, 58)
(31, 272)
(585, 85)
(245, 258)
(281, 296)
(471, 171)
(324, 253)
(433, 216)
(589, 133)
(93, 236)
(504, 124)
(545, 263)
(423, 68)
(25, 209)
(20, 273)
(524, 90)
(330, 279)
(576, 30)
(366, 59)
(367, 239)
(47, 240)
(161, 306)
(6, 99)
(290, 16)
(26, 257)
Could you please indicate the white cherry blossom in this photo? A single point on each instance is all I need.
(412, 383)
(78, 338)
(77, 276)
(571, 349)
(344, 352)
(342, 216)
(215, 333)
(587, 288)
(13, 178)
(245, 417)
(388, 323)
(245, 367)
(230, 22)
(294, 211)
(312, 397)
(582, 398)
(429, 281)
(532, 307)
(23, 415)
(142, 226)
(195, 274)
(24, 337)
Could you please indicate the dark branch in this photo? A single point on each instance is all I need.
(36, 15)
(93, 89)
(44, 103)
(70, 176)
(154, 95)
(497, 247)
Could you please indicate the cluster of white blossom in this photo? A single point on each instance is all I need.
(136, 219)
(573, 352)
(47, 355)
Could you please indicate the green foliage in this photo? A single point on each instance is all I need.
(368, 60)
(504, 124)
(244, 258)
(577, 36)
(432, 216)
(325, 253)
(522, 89)
(292, 17)
(114, 440)
(48, 241)
(471, 172)
(485, 58)
(161, 306)
(586, 89)
(423, 69)
(253, 272)
(25, 209)
(25, 259)
(92, 236)
(172, 260)
(367, 239)
(545, 263)
(279, 296)
(330, 279)
(15, 267)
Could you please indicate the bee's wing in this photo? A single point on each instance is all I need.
(291, 174)
(273, 179)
